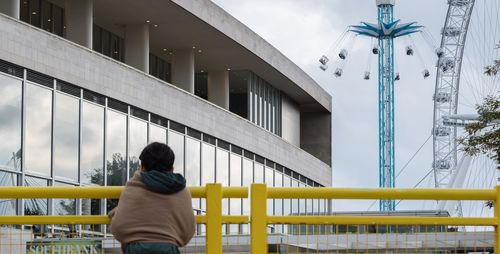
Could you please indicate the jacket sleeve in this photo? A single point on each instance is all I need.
(189, 222)
(189, 230)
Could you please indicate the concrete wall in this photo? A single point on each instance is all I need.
(215, 16)
(36, 49)
(290, 120)
(316, 133)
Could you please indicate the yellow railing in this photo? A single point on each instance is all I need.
(259, 220)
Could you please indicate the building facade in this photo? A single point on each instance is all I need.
(85, 85)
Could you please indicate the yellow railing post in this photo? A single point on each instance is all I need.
(497, 220)
(214, 218)
(258, 219)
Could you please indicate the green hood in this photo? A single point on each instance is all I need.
(163, 182)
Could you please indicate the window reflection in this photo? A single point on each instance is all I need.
(8, 206)
(10, 123)
(116, 148)
(176, 142)
(258, 173)
(157, 134)
(138, 139)
(38, 129)
(247, 180)
(92, 154)
(208, 162)
(66, 134)
(192, 174)
(222, 173)
(35, 206)
(235, 180)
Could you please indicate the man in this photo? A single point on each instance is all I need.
(154, 214)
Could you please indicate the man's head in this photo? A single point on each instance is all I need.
(157, 156)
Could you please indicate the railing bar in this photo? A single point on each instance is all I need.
(373, 220)
(403, 194)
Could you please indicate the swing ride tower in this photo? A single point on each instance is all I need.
(386, 31)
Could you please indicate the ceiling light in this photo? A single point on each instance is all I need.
(34, 13)
(164, 49)
(147, 21)
(202, 71)
(170, 53)
(199, 50)
(194, 47)
(228, 69)
(155, 25)
(49, 20)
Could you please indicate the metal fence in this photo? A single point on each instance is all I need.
(305, 233)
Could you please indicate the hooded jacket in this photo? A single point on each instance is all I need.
(154, 207)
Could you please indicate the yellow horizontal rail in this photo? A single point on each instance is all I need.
(403, 194)
(226, 219)
(85, 192)
(381, 220)
(235, 192)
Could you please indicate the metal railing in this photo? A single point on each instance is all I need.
(258, 218)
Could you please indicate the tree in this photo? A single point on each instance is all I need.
(484, 135)
(493, 69)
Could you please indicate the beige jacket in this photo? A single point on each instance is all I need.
(146, 216)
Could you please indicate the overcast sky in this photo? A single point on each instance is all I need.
(304, 29)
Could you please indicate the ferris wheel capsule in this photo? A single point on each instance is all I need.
(343, 54)
(338, 72)
(439, 52)
(409, 51)
(323, 67)
(397, 77)
(323, 60)
(367, 75)
(426, 73)
(375, 49)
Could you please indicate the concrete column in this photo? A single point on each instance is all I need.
(183, 69)
(10, 7)
(79, 21)
(137, 46)
(218, 88)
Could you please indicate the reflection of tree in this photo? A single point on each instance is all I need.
(116, 176)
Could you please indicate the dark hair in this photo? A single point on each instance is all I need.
(157, 156)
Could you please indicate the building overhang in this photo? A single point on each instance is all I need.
(221, 42)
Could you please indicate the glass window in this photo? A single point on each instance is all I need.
(192, 162)
(38, 129)
(208, 164)
(116, 152)
(35, 206)
(222, 173)
(269, 180)
(92, 154)
(10, 123)
(157, 134)
(258, 173)
(302, 202)
(138, 139)
(116, 148)
(235, 180)
(8, 206)
(176, 142)
(64, 206)
(295, 202)
(247, 180)
(66, 135)
(238, 92)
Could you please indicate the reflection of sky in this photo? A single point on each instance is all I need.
(176, 142)
(66, 137)
(38, 128)
(138, 140)
(92, 139)
(10, 119)
(116, 134)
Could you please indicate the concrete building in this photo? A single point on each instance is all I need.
(86, 84)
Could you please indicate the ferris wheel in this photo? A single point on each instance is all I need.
(469, 37)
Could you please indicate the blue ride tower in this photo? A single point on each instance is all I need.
(386, 31)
